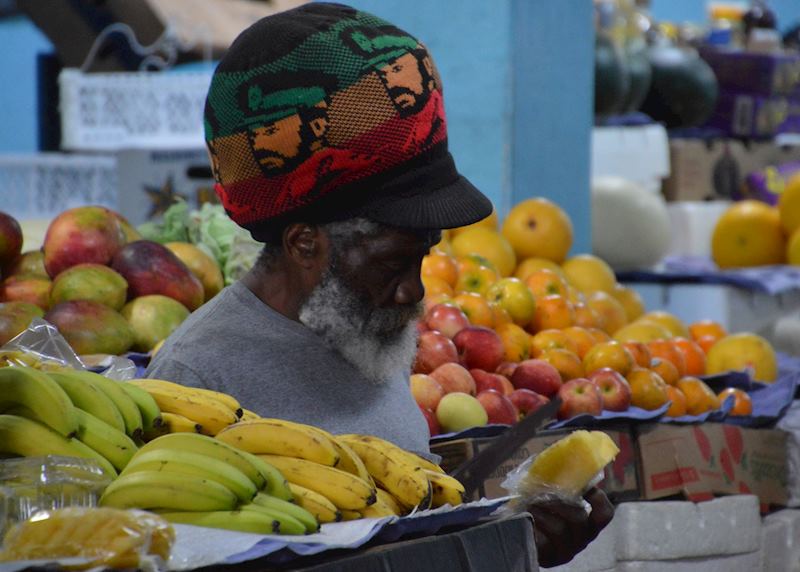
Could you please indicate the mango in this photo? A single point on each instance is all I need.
(23, 288)
(81, 235)
(151, 268)
(91, 327)
(10, 239)
(30, 263)
(90, 282)
(131, 234)
(15, 317)
(153, 318)
(202, 265)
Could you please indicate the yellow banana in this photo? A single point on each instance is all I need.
(169, 491)
(350, 514)
(151, 414)
(227, 400)
(393, 504)
(411, 458)
(378, 510)
(238, 520)
(188, 463)
(350, 462)
(319, 506)
(446, 489)
(287, 524)
(407, 483)
(344, 490)
(278, 437)
(90, 399)
(294, 510)
(179, 424)
(248, 415)
(35, 390)
(112, 444)
(208, 412)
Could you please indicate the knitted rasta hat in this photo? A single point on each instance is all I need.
(323, 113)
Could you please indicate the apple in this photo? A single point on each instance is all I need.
(579, 396)
(427, 392)
(498, 407)
(454, 378)
(479, 347)
(422, 327)
(485, 380)
(433, 423)
(527, 401)
(457, 411)
(614, 388)
(433, 350)
(508, 387)
(506, 368)
(537, 375)
(447, 319)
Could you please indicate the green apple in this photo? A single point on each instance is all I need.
(457, 411)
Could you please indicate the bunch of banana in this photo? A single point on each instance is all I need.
(195, 479)
(190, 409)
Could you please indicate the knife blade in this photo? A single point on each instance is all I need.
(474, 471)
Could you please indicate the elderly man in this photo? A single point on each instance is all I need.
(327, 137)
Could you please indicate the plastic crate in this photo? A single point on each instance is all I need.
(111, 111)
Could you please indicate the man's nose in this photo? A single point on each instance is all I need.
(410, 290)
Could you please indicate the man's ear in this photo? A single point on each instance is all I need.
(305, 244)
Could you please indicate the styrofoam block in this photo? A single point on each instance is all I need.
(677, 529)
(790, 519)
(739, 563)
(597, 557)
(790, 423)
(774, 546)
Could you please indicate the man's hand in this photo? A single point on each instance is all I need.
(562, 530)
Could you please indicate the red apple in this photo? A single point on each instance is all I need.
(433, 349)
(447, 319)
(422, 327)
(485, 380)
(479, 347)
(426, 391)
(537, 375)
(433, 423)
(614, 389)
(506, 368)
(454, 378)
(508, 387)
(498, 407)
(579, 396)
(527, 401)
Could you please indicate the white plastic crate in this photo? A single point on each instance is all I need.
(111, 111)
(39, 186)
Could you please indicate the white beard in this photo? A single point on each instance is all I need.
(380, 343)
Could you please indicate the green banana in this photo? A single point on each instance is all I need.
(90, 399)
(113, 444)
(188, 463)
(289, 508)
(287, 524)
(165, 490)
(28, 438)
(276, 484)
(36, 391)
(238, 520)
(151, 414)
(126, 406)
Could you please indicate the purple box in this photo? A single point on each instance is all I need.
(740, 114)
(762, 74)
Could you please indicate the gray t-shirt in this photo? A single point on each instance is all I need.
(279, 368)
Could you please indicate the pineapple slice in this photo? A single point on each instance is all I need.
(571, 463)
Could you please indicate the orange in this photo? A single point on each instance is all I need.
(584, 316)
(472, 261)
(547, 339)
(583, 338)
(693, 355)
(749, 233)
(608, 354)
(669, 321)
(441, 266)
(705, 342)
(678, 399)
(475, 308)
(789, 205)
(666, 369)
(533, 264)
(489, 244)
(641, 331)
(545, 282)
(513, 296)
(742, 404)
(499, 315)
(516, 342)
(431, 301)
(793, 249)
(588, 273)
(640, 352)
(665, 349)
(648, 390)
(610, 310)
(706, 328)
(743, 351)
(434, 285)
(599, 335)
(631, 301)
(699, 397)
(574, 295)
(538, 227)
(566, 362)
(552, 312)
(489, 222)
(475, 278)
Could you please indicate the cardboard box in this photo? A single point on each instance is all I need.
(620, 481)
(756, 73)
(701, 461)
(711, 170)
(739, 114)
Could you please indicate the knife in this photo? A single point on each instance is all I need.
(473, 472)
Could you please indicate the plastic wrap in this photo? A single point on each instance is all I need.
(91, 537)
(528, 490)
